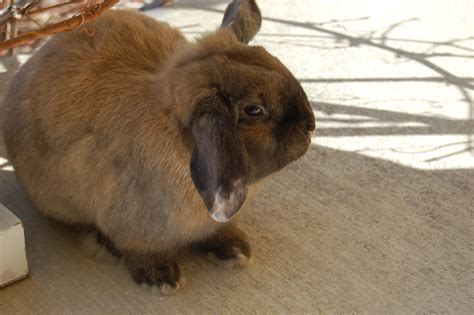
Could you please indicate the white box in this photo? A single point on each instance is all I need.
(13, 265)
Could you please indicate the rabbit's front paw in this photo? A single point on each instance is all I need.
(151, 269)
(229, 248)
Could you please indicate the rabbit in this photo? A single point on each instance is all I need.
(157, 142)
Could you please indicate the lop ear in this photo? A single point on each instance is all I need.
(244, 18)
(219, 163)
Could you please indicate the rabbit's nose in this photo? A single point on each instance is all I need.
(310, 125)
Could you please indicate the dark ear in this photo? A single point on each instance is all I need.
(244, 18)
(219, 163)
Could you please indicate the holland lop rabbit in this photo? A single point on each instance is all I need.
(155, 141)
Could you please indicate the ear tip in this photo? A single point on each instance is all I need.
(219, 217)
(228, 202)
(229, 14)
(244, 18)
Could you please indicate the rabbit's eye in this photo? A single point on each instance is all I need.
(254, 110)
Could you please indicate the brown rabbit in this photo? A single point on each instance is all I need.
(155, 141)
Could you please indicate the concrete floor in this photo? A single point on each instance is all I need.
(376, 218)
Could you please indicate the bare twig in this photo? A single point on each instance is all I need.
(64, 26)
(33, 20)
(16, 10)
(12, 32)
(54, 6)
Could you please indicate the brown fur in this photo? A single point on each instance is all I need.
(102, 130)
(227, 243)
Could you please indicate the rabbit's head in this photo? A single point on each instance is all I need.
(246, 113)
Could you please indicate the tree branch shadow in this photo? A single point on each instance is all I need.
(434, 125)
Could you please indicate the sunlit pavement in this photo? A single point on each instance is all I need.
(388, 79)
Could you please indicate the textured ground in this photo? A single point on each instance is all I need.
(376, 218)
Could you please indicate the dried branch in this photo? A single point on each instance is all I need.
(64, 26)
(16, 10)
(59, 5)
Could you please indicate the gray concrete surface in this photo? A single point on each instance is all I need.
(376, 218)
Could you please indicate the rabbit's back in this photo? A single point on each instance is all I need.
(97, 77)
(76, 112)
(124, 37)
